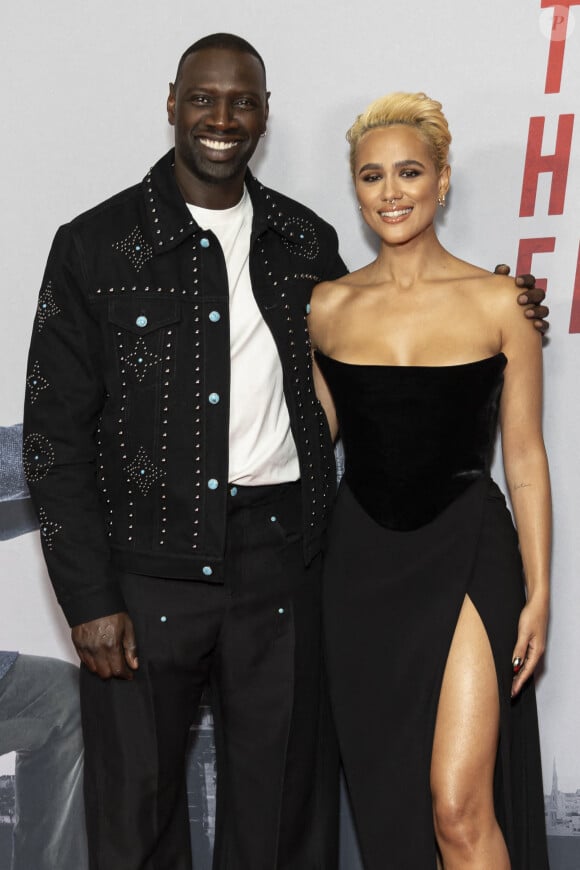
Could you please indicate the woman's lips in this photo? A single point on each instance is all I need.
(394, 216)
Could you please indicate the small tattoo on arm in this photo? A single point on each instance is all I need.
(521, 485)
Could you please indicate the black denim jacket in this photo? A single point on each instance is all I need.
(125, 456)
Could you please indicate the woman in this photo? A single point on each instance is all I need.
(431, 637)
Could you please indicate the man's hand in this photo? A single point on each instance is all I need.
(532, 297)
(107, 646)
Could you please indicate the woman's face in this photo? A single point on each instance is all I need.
(397, 183)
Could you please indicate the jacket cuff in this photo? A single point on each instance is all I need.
(102, 602)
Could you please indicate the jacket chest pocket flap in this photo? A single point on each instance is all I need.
(143, 316)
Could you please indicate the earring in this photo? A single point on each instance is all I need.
(441, 200)
(263, 134)
(360, 208)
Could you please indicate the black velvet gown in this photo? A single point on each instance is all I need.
(418, 525)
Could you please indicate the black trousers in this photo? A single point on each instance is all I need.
(256, 642)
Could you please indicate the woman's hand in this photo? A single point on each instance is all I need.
(531, 642)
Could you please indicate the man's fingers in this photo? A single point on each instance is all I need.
(131, 657)
(88, 661)
(539, 311)
(95, 665)
(501, 269)
(101, 646)
(130, 647)
(532, 296)
(535, 311)
(526, 281)
(111, 663)
(119, 666)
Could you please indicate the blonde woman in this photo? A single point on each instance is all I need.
(432, 631)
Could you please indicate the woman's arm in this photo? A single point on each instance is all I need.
(526, 469)
(325, 399)
(317, 320)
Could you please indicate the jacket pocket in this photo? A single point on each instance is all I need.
(145, 336)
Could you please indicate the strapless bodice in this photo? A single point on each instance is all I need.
(414, 437)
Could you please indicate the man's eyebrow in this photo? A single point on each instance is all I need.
(211, 88)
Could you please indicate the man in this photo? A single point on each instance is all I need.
(183, 470)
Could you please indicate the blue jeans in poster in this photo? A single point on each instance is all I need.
(40, 722)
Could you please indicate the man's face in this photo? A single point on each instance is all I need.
(219, 108)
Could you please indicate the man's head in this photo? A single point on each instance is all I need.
(218, 105)
(226, 41)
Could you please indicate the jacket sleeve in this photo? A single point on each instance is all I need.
(334, 266)
(65, 392)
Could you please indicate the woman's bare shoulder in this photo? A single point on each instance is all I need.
(331, 292)
(345, 284)
(483, 282)
(501, 289)
(496, 297)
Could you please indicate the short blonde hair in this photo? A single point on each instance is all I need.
(414, 110)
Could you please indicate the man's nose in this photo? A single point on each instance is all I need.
(221, 115)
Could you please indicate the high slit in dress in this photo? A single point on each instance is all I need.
(418, 526)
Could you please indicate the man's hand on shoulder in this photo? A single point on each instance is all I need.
(107, 646)
(532, 297)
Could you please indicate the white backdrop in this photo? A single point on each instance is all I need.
(83, 115)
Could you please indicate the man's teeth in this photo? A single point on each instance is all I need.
(395, 214)
(218, 144)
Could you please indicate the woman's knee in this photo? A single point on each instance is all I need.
(461, 820)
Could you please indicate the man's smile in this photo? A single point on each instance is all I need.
(219, 144)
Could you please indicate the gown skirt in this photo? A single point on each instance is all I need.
(391, 602)
(392, 598)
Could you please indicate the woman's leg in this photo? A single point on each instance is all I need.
(464, 752)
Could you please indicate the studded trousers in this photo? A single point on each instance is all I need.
(256, 642)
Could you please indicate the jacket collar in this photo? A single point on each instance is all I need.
(170, 222)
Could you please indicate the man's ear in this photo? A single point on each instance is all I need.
(171, 104)
(267, 109)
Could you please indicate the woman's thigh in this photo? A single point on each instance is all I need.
(467, 725)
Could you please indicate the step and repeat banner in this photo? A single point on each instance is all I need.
(84, 89)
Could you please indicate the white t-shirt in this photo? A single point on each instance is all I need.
(261, 446)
